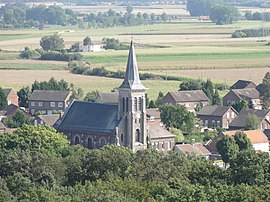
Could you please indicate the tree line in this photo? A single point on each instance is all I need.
(38, 164)
(218, 11)
(20, 15)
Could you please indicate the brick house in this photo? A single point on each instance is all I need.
(47, 119)
(12, 97)
(251, 95)
(190, 99)
(241, 84)
(47, 101)
(240, 121)
(196, 149)
(217, 116)
(257, 138)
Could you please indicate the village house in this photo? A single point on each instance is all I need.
(241, 84)
(11, 96)
(196, 149)
(10, 111)
(216, 116)
(47, 119)
(251, 95)
(90, 48)
(48, 101)
(257, 138)
(190, 99)
(94, 125)
(240, 121)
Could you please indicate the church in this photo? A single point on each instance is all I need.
(126, 123)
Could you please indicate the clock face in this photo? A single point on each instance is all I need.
(138, 116)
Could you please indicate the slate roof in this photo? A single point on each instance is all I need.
(241, 84)
(10, 110)
(189, 96)
(49, 119)
(153, 112)
(193, 149)
(90, 117)
(215, 110)
(240, 120)
(247, 93)
(157, 131)
(255, 136)
(110, 98)
(49, 95)
(132, 79)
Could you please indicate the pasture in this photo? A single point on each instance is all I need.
(185, 47)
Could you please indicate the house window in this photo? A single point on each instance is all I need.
(89, 143)
(33, 104)
(32, 111)
(228, 115)
(232, 115)
(213, 123)
(60, 104)
(218, 124)
(102, 142)
(163, 145)
(40, 104)
(52, 104)
(206, 123)
(135, 104)
(122, 137)
(169, 145)
(77, 140)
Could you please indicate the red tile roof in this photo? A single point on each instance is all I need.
(255, 136)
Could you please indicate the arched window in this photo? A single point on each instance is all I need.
(122, 137)
(127, 104)
(140, 103)
(135, 104)
(138, 135)
(77, 140)
(123, 104)
(89, 143)
(102, 142)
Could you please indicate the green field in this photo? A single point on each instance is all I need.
(169, 48)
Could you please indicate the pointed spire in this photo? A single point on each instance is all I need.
(132, 79)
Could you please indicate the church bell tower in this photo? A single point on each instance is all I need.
(131, 105)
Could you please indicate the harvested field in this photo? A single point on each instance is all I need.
(19, 78)
(225, 75)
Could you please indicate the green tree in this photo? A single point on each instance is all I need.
(227, 148)
(248, 15)
(92, 96)
(152, 104)
(242, 141)
(159, 100)
(216, 99)
(129, 9)
(24, 94)
(177, 116)
(179, 135)
(17, 120)
(223, 14)
(3, 99)
(28, 54)
(252, 122)
(42, 138)
(87, 41)
(265, 91)
(201, 7)
(190, 85)
(52, 42)
(208, 89)
(249, 168)
(241, 105)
